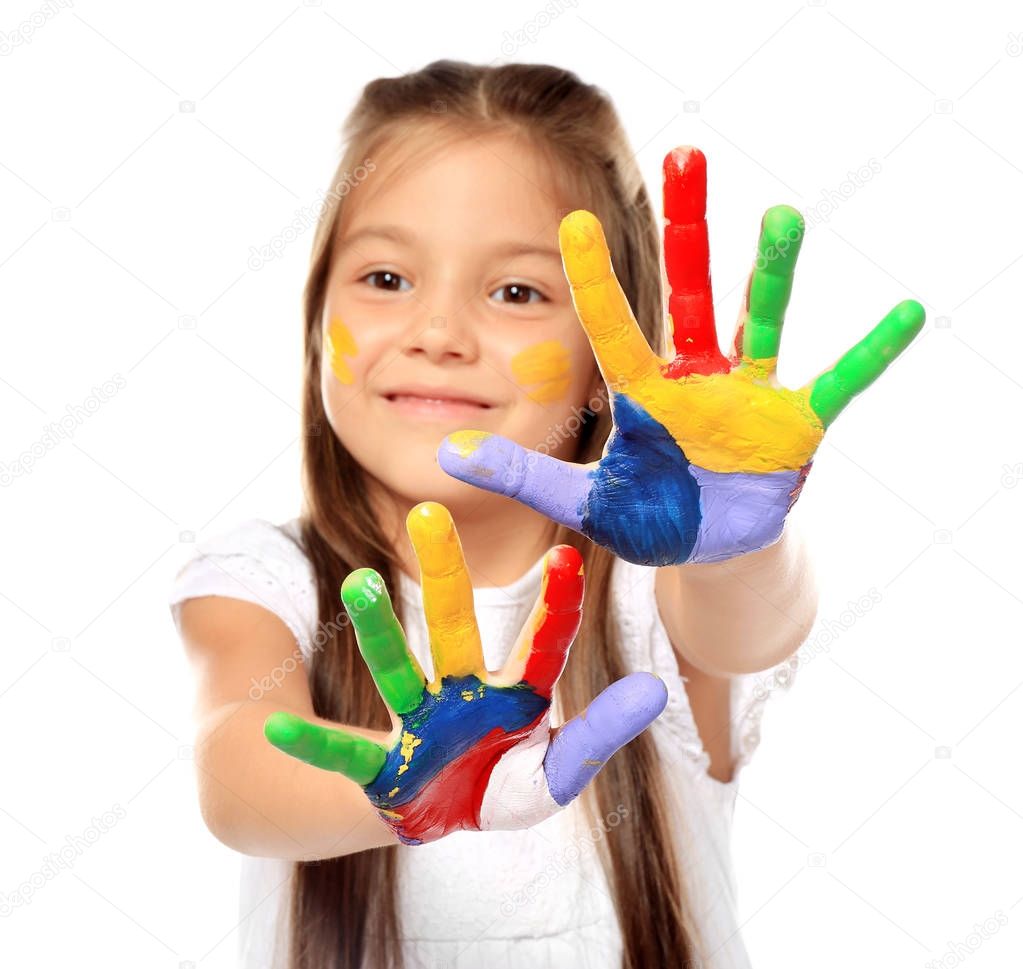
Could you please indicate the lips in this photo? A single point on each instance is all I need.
(434, 395)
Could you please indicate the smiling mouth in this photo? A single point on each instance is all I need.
(438, 402)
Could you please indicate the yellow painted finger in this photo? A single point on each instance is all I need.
(621, 349)
(447, 594)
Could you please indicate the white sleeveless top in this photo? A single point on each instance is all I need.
(534, 898)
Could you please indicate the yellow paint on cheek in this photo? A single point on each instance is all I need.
(340, 344)
(544, 370)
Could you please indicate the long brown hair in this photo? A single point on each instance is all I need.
(576, 127)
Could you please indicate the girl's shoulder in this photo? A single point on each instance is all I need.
(256, 561)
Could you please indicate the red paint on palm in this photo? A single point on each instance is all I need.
(687, 266)
(453, 798)
(800, 481)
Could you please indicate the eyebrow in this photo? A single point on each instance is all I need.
(394, 233)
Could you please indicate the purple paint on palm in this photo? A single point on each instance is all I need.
(583, 745)
(740, 512)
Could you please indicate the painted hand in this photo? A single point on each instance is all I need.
(708, 453)
(471, 749)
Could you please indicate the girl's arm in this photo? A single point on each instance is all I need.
(741, 615)
(254, 798)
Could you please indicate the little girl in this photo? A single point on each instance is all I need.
(448, 283)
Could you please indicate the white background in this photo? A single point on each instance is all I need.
(146, 149)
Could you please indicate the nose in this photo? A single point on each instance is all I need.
(443, 337)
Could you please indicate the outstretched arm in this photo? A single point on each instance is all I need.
(254, 799)
(741, 615)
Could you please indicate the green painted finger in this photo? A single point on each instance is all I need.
(396, 672)
(781, 238)
(358, 758)
(864, 363)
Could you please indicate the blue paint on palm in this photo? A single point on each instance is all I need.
(448, 724)
(643, 502)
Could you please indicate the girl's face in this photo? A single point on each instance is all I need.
(448, 283)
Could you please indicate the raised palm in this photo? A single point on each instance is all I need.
(708, 453)
(471, 749)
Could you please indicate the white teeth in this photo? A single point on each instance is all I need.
(433, 400)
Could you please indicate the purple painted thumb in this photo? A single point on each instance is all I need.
(556, 489)
(582, 746)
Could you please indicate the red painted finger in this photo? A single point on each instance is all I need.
(554, 622)
(687, 265)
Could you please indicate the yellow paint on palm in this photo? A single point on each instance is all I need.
(733, 422)
(447, 594)
(340, 344)
(761, 369)
(544, 370)
(409, 742)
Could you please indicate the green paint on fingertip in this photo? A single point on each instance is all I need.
(361, 589)
(781, 237)
(864, 363)
(327, 748)
(282, 729)
(381, 639)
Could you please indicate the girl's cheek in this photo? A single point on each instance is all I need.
(543, 371)
(340, 346)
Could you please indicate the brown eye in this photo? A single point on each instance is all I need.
(520, 294)
(387, 280)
